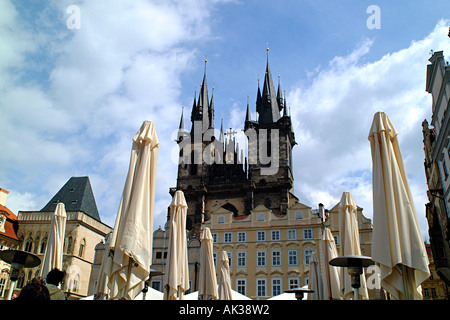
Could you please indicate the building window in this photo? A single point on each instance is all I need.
(156, 284)
(336, 240)
(307, 233)
(241, 286)
(276, 287)
(230, 258)
(261, 236)
(69, 245)
(275, 235)
(2, 286)
(215, 236)
(433, 292)
(228, 237)
(276, 258)
(292, 234)
(43, 245)
(221, 219)
(299, 215)
(307, 254)
(215, 258)
(260, 217)
(261, 258)
(242, 259)
(261, 287)
(28, 245)
(242, 237)
(292, 257)
(426, 293)
(82, 247)
(294, 283)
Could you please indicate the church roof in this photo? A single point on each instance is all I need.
(76, 195)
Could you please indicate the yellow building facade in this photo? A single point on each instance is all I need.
(270, 253)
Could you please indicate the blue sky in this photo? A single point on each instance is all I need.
(72, 99)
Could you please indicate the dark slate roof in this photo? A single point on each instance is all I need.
(76, 195)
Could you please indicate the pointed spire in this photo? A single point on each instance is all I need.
(221, 130)
(279, 97)
(258, 99)
(211, 110)
(194, 112)
(181, 131)
(203, 103)
(248, 115)
(285, 113)
(181, 127)
(270, 112)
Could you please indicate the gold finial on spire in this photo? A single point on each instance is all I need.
(267, 46)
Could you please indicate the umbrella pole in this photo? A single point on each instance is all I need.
(408, 294)
(356, 294)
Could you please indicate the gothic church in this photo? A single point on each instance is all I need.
(212, 171)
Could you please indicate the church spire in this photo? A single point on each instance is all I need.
(181, 127)
(221, 130)
(203, 109)
(211, 110)
(285, 113)
(279, 96)
(258, 100)
(269, 109)
(248, 116)
(203, 103)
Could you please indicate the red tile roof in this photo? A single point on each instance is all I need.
(9, 213)
(9, 227)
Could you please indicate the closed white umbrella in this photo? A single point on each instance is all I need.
(225, 292)
(176, 273)
(53, 255)
(315, 279)
(207, 278)
(132, 236)
(397, 242)
(330, 274)
(349, 234)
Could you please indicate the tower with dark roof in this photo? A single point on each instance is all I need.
(76, 195)
(230, 180)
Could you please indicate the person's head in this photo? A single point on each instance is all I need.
(55, 276)
(34, 291)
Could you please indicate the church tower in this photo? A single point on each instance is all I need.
(270, 154)
(213, 172)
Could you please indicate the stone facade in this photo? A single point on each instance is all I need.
(83, 234)
(270, 252)
(436, 141)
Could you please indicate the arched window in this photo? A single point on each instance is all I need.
(43, 245)
(69, 247)
(82, 247)
(28, 245)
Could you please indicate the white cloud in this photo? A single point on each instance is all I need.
(333, 114)
(90, 91)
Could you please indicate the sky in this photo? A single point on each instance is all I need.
(78, 78)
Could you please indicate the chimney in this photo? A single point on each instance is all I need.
(3, 196)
